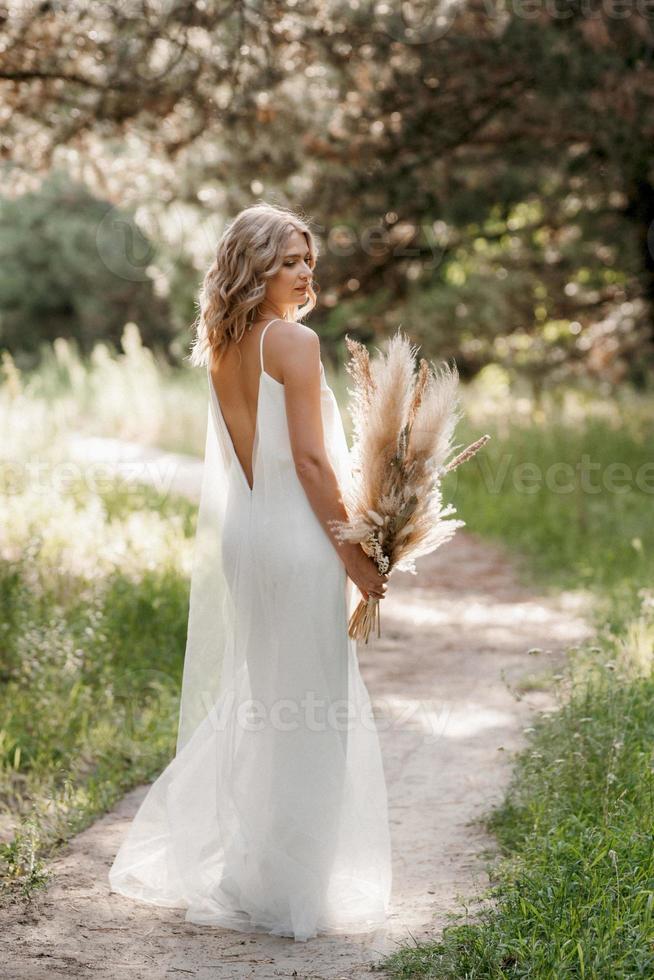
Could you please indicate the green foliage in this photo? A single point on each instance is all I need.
(573, 494)
(91, 653)
(517, 141)
(130, 394)
(73, 266)
(571, 894)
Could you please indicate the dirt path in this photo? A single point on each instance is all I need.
(444, 678)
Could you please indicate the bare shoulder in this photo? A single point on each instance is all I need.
(290, 332)
(297, 347)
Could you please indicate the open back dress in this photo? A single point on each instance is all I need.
(272, 816)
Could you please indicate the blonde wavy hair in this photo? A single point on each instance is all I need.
(249, 252)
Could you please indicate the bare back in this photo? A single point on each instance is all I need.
(289, 354)
(236, 383)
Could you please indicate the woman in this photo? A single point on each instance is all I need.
(272, 816)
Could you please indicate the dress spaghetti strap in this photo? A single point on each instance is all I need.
(261, 342)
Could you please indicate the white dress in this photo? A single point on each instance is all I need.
(272, 817)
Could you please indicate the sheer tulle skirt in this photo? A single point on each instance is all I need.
(273, 816)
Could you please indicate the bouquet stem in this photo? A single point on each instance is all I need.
(363, 619)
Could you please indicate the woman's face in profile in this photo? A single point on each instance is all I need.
(288, 285)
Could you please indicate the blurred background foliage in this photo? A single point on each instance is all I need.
(479, 173)
(56, 282)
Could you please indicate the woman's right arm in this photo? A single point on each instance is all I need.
(302, 383)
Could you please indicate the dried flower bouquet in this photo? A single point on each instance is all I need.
(403, 424)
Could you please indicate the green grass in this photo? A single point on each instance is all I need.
(573, 536)
(129, 394)
(572, 893)
(93, 602)
(93, 594)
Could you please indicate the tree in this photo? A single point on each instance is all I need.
(66, 271)
(487, 167)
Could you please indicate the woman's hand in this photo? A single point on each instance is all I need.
(363, 571)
